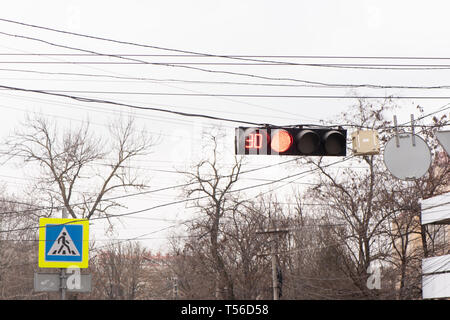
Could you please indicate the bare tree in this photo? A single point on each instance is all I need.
(245, 246)
(193, 267)
(353, 197)
(78, 169)
(210, 190)
(18, 249)
(435, 182)
(410, 240)
(119, 272)
(242, 253)
(381, 214)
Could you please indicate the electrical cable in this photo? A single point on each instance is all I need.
(244, 58)
(228, 99)
(180, 66)
(94, 100)
(360, 127)
(160, 189)
(64, 93)
(156, 80)
(366, 66)
(191, 199)
(182, 51)
(151, 191)
(202, 55)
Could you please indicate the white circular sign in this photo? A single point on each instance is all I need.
(406, 161)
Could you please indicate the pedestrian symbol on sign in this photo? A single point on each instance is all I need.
(63, 246)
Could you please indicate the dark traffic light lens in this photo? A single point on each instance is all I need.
(307, 141)
(335, 143)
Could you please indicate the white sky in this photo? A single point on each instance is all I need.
(325, 28)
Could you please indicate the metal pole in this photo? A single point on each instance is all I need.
(412, 131)
(63, 284)
(63, 271)
(397, 141)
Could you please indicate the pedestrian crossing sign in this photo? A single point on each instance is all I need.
(63, 243)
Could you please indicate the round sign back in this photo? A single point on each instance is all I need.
(407, 161)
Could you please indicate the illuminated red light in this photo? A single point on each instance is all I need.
(281, 141)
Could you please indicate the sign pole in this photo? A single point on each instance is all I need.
(63, 270)
(63, 284)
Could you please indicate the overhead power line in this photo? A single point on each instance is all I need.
(369, 66)
(150, 63)
(94, 100)
(111, 55)
(126, 42)
(200, 55)
(142, 192)
(261, 84)
(102, 101)
(64, 93)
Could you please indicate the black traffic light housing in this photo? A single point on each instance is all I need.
(295, 141)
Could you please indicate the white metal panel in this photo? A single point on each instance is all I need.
(436, 286)
(47, 282)
(52, 282)
(436, 264)
(444, 139)
(436, 209)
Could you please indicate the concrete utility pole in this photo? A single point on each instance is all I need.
(273, 251)
(276, 289)
(175, 288)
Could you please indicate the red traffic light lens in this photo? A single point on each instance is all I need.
(281, 141)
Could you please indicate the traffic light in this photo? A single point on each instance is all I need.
(291, 141)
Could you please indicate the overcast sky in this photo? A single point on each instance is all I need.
(250, 28)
